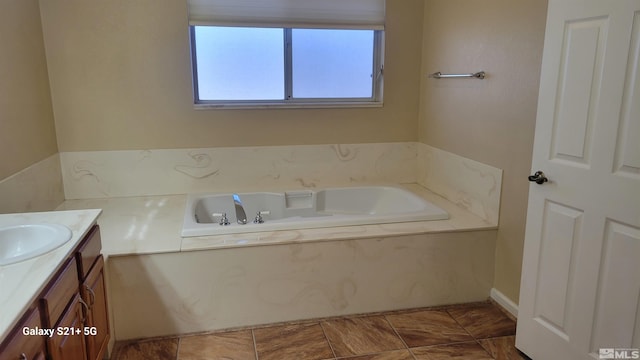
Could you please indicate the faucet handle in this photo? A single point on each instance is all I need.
(258, 219)
(223, 218)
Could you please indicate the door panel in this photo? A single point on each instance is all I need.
(628, 149)
(578, 85)
(618, 297)
(580, 288)
(555, 276)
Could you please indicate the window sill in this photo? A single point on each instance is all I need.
(279, 105)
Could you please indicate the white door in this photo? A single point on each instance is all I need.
(580, 287)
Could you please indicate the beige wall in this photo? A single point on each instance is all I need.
(493, 120)
(121, 79)
(26, 120)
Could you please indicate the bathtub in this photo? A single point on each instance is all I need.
(305, 209)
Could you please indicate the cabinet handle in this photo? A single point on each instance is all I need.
(86, 307)
(91, 294)
(23, 356)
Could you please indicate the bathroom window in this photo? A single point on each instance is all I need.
(237, 66)
(287, 53)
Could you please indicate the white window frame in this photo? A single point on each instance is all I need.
(289, 101)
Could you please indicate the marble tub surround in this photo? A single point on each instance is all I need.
(234, 281)
(21, 282)
(36, 188)
(108, 174)
(473, 185)
(100, 174)
(378, 336)
(422, 255)
(152, 224)
(206, 290)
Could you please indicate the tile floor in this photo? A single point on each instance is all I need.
(474, 331)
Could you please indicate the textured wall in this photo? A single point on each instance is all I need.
(121, 79)
(493, 120)
(27, 132)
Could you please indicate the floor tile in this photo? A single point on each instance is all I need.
(431, 327)
(361, 336)
(165, 349)
(483, 320)
(503, 348)
(389, 355)
(300, 342)
(431, 334)
(237, 345)
(460, 351)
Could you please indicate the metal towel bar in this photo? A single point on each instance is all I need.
(439, 75)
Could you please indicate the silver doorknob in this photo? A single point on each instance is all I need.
(538, 177)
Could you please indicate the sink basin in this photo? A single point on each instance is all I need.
(22, 242)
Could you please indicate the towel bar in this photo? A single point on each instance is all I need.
(439, 75)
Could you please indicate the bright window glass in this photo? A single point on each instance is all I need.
(245, 65)
(332, 63)
(239, 63)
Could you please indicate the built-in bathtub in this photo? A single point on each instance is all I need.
(162, 284)
(218, 214)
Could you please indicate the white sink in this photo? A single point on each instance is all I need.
(22, 242)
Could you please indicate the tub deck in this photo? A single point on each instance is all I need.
(153, 224)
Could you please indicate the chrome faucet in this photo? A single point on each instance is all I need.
(241, 216)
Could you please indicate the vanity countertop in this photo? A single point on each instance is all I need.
(21, 282)
(153, 224)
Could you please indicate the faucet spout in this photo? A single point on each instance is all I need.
(241, 216)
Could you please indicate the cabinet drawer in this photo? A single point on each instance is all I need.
(88, 251)
(57, 296)
(19, 346)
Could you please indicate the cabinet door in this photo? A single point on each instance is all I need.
(20, 346)
(68, 343)
(94, 294)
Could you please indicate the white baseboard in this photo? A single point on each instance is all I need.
(504, 301)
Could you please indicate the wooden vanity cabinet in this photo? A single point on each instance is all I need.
(20, 347)
(74, 304)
